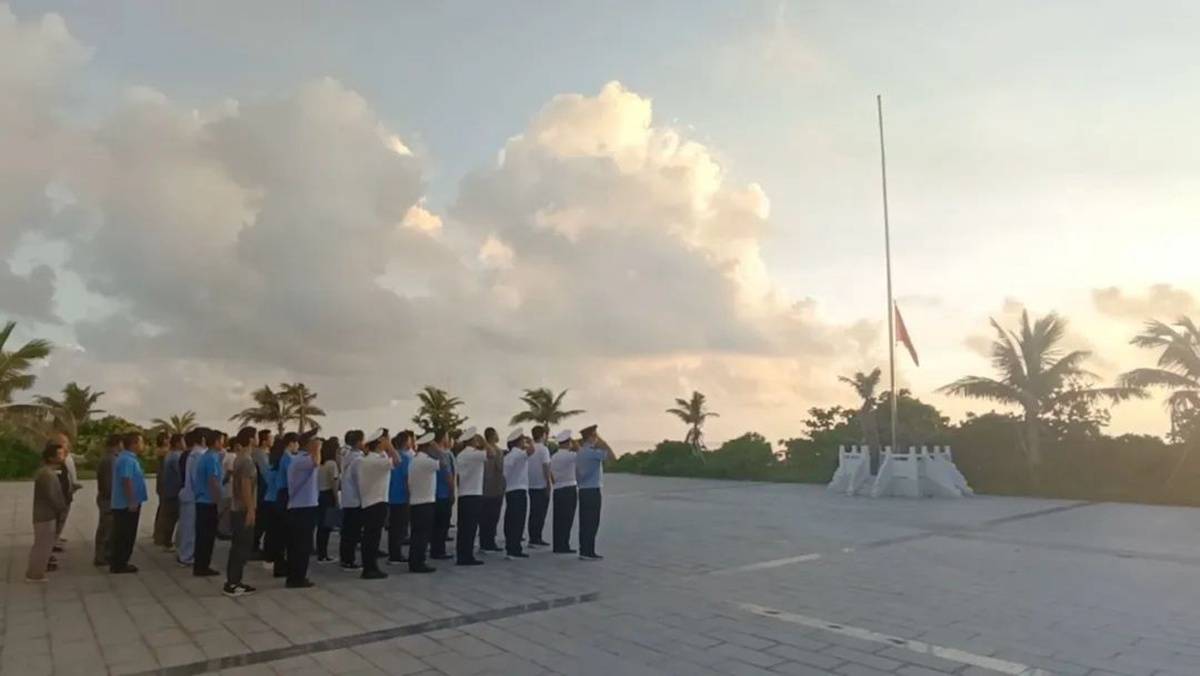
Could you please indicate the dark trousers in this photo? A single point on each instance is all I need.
(241, 542)
(515, 507)
(539, 504)
(124, 531)
(397, 531)
(489, 521)
(206, 536)
(326, 502)
(164, 521)
(565, 501)
(589, 520)
(421, 517)
(351, 534)
(104, 532)
(469, 507)
(276, 538)
(301, 522)
(372, 521)
(441, 527)
(260, 525)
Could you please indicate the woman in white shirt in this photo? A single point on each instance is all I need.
(470, 495)
(566, 495)
(422, 489)
(327, 483)
(516, 497)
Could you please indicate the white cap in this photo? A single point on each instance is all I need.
(516, 434)
(425, 439)
(563, 436)
(467, 434)
(376, 435)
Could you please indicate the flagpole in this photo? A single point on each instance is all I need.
(887, 249)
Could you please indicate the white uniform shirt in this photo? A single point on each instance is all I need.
(350, 495)
(516, 470)
(422, 479)
(537, 463)
(373, 472)
(562, 466)
(470, 471)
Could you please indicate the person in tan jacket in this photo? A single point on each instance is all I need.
(49, 505)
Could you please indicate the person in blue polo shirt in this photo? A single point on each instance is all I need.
(398, 510)
(444, 505)
(206, 484)
(128, 494)
(589, 473)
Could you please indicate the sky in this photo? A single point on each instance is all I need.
(628, 200)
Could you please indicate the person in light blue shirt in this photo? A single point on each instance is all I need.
(276, 539)
(185, 537)
(302, 510)
(398, 509)
(206, 484)
(443, 507)
(129, 492)
(589, 474)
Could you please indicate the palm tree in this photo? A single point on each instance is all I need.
(864, 384)
(300, 398)
(691, 412)
(180, 423)
(78, 402)
(270, 408)
(543, 408)
(437, 412)
(1035, 374)
(15, 365)
(1178, 367)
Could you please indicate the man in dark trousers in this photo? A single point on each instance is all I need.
(422, 490)
(128, 496)
(589, 470)
(444, 506)
(207, 476)
(540, 485)
(104, 488)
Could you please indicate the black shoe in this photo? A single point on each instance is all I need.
(205, 573)
(470, 562)
(441, 557)
(300, 585)
(590, 557)
(396, 562)
(279, 573)
(236, 590)
(564, 551)
(123, 570)
(421, 569)
(351, 567)
(374, 575)
(56, 549)
(538, 543)
(491, 548)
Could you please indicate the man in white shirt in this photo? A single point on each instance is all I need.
(422, 487)
(470, 495)
(566, 495)
(351, 502)
(539, 487)
(371, 476)
(516, 498)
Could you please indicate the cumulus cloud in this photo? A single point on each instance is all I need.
(1161, 301)
(288, 237)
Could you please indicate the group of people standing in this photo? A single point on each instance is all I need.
(278, 499)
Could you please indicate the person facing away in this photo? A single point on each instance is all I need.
(493, 492)
(302, 509)
(185, 537)
(167, 485)
(104, 469)
(278, 536)
(243, 512)
(589, 473)
(351, 534)
(516, 496)
(206, 484)
(374, 472)
(398, 509)
(128, 496)
(422, 491)
(327, 497)
(566, 495)
(540, 484)
(261, 454)
(470, 464)
(444, 498)
(49, 505)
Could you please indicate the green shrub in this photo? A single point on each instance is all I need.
(17, 459)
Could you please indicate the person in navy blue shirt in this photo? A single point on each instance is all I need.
(444, 505)
(398, 510)
(128, 494)
(206, 483)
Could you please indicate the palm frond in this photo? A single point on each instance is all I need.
(978, 387)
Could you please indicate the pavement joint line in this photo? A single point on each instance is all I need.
(764, 565)
(952, 654)
(1081, 549)
(354, 640)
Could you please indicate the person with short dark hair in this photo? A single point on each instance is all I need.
(422, 491)
(540, 484)
(167, 485)
(243, 510)
(261, 454)
(129, 493)
(49, 504)
(516, 496)
(493, 492)
(398, 507)
(351, 535)
(589, 472)
(104, 488)
(301, 509)
(444, 503)
(185, 532)
(207, 486)
(327, 497)
(470, 495)
(278, 535)
(374, 471)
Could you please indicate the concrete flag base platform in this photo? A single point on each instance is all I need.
(917, 473)
(853, 474)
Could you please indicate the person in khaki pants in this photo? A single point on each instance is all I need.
(49, 505)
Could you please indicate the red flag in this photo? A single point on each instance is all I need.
(903, 337)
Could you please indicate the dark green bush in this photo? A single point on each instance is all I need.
(17, 459)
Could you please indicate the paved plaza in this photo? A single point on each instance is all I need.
(700, 577)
